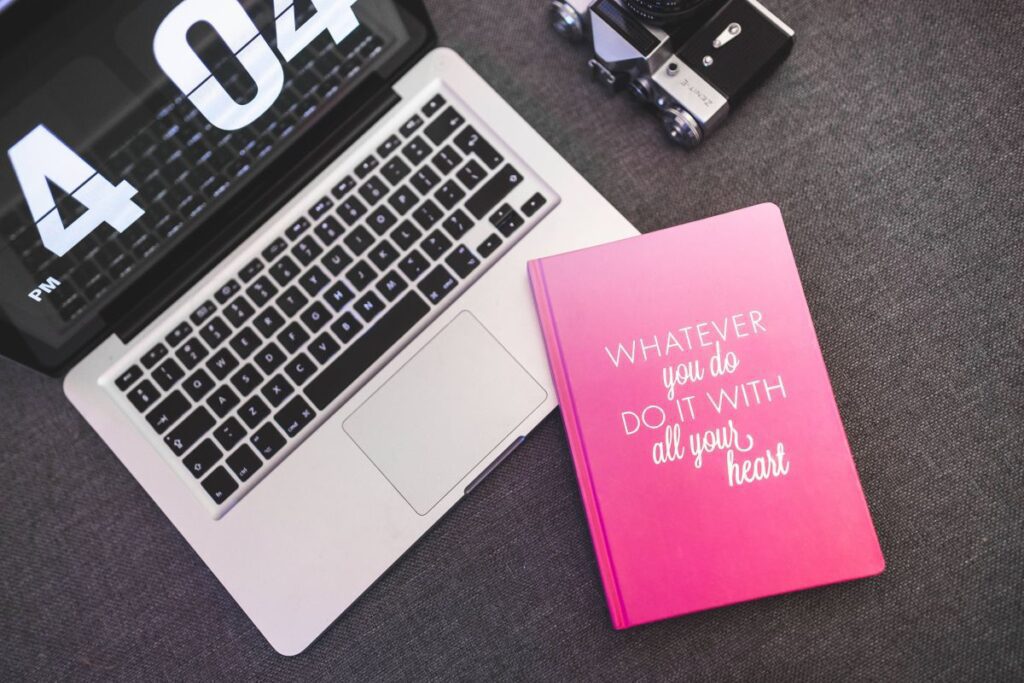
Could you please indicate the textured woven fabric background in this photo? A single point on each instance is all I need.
(892, 139)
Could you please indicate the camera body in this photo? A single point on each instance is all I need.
(693, 61)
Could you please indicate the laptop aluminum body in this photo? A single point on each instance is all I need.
(413, 433)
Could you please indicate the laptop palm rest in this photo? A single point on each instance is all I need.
(444, 411)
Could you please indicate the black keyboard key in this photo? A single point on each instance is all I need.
(268, 322)
(428, 214)
(437, 284)
(359, 240)
(433, 106)
(261, 291)
(414, 265)
(220, 485)
(238, 311)
(154, 355)
(395, 170)
(500, 214)
(253, 411)
(391, 285)
(267, 441)
(489, 246)
(269, 358)
(245, 342)
(381, 220)
(337, 260)
(374, 343)
(215, 332)
(300, 369)
(383, 254)
(313, 281)
(251, 270)
(191, 353)
(294, 416)
(405, 235)
(276, 390)
(446, 160)
(222, 364)
(435, 244)
(293, 337)
(462, 261)
(338, 295)
(510, 223)
(143, 396)
(416, 151)
(203, 313)
(292, 301)
(444, 125)
(316, 316)
(244, 463)
(373, 190)
(229, 433)
(471, 174)
(306, 250)
(189, 431)
(343, 187)
(411, 126)
(274, 249)
(167, 374)
(321, 207)
(449, 194)
(369, 307)
(168, 411)
(367, 165)
(246, 380)
(197, 385)
(226, 291)
(178, 334)
(388, 146)
(361, 275)
(351, 210)
(205, 456)
(323, 347)
(533, 204)
(425, 180)
(284, 271)
(346, 327)
(470, 142)
(328, 230)
(402, 200)
(222, 401)
(458, 224)
(493, 191)
(128, 378)
(295, 230)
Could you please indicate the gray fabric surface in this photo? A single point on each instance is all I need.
(892, 141)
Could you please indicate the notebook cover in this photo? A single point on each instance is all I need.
(711, 458)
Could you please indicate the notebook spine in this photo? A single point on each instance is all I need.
(576, 444)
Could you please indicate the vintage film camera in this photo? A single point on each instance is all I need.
(692, 60)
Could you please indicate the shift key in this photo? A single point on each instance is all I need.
(493, 191)
(189, 431)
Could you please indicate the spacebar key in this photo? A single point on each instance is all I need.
(493, 191)
(364, 352)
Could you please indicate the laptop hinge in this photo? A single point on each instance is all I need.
(200, 261)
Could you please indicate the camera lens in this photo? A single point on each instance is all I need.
(665, 12)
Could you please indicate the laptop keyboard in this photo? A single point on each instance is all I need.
(233, 386)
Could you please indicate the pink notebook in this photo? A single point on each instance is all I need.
(711, 459)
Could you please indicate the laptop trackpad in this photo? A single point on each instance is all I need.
(442, 413)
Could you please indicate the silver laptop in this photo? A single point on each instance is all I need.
(279, 252)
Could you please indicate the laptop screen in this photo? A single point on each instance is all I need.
(125, 126)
